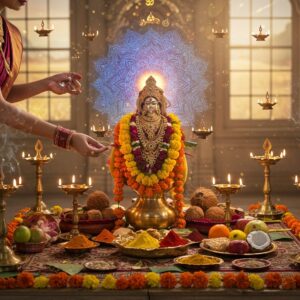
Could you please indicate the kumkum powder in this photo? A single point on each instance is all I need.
(195, 236)
(78, 242)
(172, 239)
(105, 236)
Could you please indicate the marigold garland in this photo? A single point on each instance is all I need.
(186, 279)
(256, 282)
(75, 281)
(109, 282)
(122, 283)
(273, 280)
(41, 282)
(128, 166)
(90, 282)
(59, 280)
(168, 280)
(200, 280)
(229, 280)
(242, 280)
(215, 280)
(137, 281)
(153, 279)
(297, 280)
(25, 280)
(288, 283)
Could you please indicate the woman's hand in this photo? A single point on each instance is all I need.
(86, 146)
(64, 83)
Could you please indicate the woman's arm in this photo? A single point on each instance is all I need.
(14, 117)
(58, 84)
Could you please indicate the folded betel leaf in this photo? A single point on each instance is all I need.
(280, 236)
(190, 144)
(71, 269)
(166, 269)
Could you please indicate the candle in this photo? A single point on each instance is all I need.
(211, 128)
(20, 180)
(212, 30)
(51, 155)
(103, 128)
(213, 180)
(35, 28)
(59, 182)
(251, 154)
(108, 127)
(283, 153)
(14, 182)
(241, 181)
(296, 179)
(73, 178)
(90, 181)
(229, 178)
(93, 128)
(193, 129)
(23, 154)
(271, 153)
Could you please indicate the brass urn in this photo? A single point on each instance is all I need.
(152, 212)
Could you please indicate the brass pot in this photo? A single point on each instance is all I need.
(151, 213)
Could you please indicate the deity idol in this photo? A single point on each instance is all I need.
(148, 156)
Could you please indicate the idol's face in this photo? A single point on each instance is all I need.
(12, 4)
(151, 106)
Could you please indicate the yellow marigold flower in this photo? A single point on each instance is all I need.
(175, 145)
(256, 282)
(154, 178)
(175, 137)
(125, 149)
(167, 168)
(90, 282)
(130, 164)
(40, 282)
(140, 177)
(170, 162)
(146, 181)
(56, 210)
(18, 219)
(174, 118)
(215, 280)
(153, 279)
(129, 157)
(109, 282)
(173, 154)
(134, 172)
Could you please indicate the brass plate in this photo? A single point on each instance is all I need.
(249, 254)
(100, 265)
(199, 266)
(78, 250)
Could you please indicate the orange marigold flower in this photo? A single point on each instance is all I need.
(200, 280)
(75, 281)
(288, 283)
(11, 283)
(168, 280)
(58, 280)
(186, 279)
(242, 280)
(273, 280)
(281, 207)
(181, 223)
(137, 281)
(119, 212)
(149, 192)
(254, 206)
(178, 197)
(25, 280)
(297, 280)
(122, 283)
(2, 283)
(229, 280)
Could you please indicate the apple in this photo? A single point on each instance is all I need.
(241, 223)
(37, 235)
(237, 234)
(256, 225)
(22, 234)
(238, 247)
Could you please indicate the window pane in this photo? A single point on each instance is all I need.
(282, 32)
(60, 109)
(62, 12)
(39, 107)
(239, 32)
(282, 8)
(261, 59)
(239, 108)
(34, 41)
(239, 83)
(59, 61)
(282, 110)
(261, 8)
(37, 61)
(257, 112)
(60, 37)
(265, 24)
(282, 59)
(260, 83)
(240, 59)
(37, 9)
(239, 8)
(281, 83)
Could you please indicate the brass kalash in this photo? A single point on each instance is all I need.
(151, 124)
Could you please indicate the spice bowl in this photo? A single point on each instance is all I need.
(78, 250)
(207, 262)
(31, 247)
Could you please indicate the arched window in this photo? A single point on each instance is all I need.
(258, 67)
(42, 56)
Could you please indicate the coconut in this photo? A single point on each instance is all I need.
(108, 213)
(94, 214)
(194, 212)
(205, 198)
(97, 200)
(259, 240)
(215, 213)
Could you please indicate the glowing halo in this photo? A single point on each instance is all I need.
(160, 80)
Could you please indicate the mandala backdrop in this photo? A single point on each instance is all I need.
(167, 57)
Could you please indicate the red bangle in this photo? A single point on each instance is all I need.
(62, 137)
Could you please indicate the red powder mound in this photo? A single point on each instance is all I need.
(195, 236)
(172, 239)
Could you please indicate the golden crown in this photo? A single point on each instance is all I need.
(152, 90)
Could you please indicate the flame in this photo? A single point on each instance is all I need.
(160, 80)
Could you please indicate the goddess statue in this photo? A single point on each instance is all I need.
(148, 156)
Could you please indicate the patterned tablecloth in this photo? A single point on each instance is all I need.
(38, 262)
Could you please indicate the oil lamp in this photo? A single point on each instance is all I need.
(268, 210)
(38, 161)
(203, 132)
(8, 260)
(74, 189)
(90, 35)
(296, 183)
(100, 132)
(219, 34)
(226, 189)
(260, 37)
(267, 104)
(42, 32)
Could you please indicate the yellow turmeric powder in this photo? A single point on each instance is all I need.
(78, 242)
(198, 259)
(143, 240)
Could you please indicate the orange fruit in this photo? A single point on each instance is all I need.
(218, 230)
